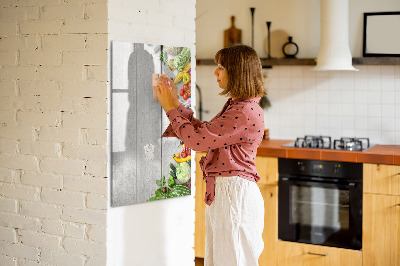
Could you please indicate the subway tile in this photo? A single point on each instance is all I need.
(296, 72)
(285, 132)
(348, 132)
(322, 121)
(308, 72)
(388, 84)
(374, 70)
(335, 122)
(397, 133)
(347, 122)
(285, 72)
(387, 71)
(334, 81)
(361, 123)
(335, 95)
(310, 108)
(322, 74)
(322, 96)
(284, 83)
(374, 97)
(361, 97)
(334, 77)
(322, 109)
(361, 110)
(297, 83)
(397, 123)
(375, 136)
(374, 110)
(360, 133)
(374, 123)
(388, 97)
(310, 95)
(347, 109)
(388, 137)
(321, 83)
(374, 83)
(388, 124)
(397, 72)
(334, 109)
(348, 96)
(388, 110)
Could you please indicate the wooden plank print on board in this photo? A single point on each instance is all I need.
(144, 166)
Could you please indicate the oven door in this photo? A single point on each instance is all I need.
(321, 212)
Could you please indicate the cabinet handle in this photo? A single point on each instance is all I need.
(318, 254)
(398, 204)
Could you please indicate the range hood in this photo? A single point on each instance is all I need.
(334, 51)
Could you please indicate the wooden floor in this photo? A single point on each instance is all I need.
(199, 262)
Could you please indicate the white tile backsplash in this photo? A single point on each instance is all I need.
(364, 103)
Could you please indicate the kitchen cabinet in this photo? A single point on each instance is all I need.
(200, 207)
(381, 215)
(299, 254)
(381, 179)
(381, 230)
(270, 233)
(267, 168)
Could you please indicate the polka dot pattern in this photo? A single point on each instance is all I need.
(231, 139)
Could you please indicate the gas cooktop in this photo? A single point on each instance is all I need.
(325, 142)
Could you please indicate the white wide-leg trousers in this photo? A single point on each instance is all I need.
(234, 223)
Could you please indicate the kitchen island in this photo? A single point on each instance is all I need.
(381, 207)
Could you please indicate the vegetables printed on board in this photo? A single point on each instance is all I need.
(182, 58)
(183, 172)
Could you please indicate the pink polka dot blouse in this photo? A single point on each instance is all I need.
(231, 139)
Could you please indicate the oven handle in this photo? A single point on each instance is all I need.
(297, 181)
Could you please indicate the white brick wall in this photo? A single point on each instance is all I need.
(53, 120)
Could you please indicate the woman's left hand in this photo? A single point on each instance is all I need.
(164, 95)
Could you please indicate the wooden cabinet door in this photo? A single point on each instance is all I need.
(381, 179)
(200, 207)
(298, 254)
(381, 230)
(267, 168)
(270, 233)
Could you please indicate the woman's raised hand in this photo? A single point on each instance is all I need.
(174, 91)
(164, 95)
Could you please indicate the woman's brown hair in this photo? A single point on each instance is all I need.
(245, 78)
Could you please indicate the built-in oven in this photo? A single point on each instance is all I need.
(320, 202)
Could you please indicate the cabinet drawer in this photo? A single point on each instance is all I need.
(381, 179)
(293, 254)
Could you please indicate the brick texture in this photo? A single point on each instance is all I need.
(53, 120)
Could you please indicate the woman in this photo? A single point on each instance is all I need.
(235, 207)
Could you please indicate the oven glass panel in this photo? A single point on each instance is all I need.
(318, 207)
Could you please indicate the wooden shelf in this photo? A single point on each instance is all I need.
(312, 61)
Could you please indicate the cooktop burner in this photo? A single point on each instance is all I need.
(324, 142)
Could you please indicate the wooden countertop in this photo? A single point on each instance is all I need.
(379, 154)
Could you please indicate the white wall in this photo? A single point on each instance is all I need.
(161, 232)
(299, 18)
(338, 104)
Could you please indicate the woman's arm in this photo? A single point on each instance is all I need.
(185, 112)
(225, 130)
